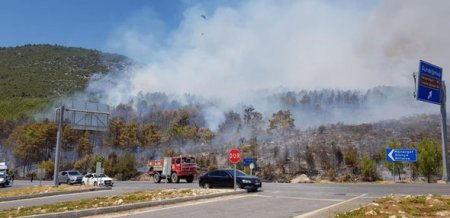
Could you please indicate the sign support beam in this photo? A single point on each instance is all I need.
(444, 134)
(59, 136)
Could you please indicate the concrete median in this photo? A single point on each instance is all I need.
(113, 209)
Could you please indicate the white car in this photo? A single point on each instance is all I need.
(97, 179)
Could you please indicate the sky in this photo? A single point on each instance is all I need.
(227, 49)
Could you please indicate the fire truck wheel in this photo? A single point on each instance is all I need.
(189, 179)
(175, 178)
(157, 178)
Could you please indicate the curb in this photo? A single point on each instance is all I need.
(21, 197)
(113, 209)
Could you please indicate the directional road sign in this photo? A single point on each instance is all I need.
(429, 84)
(247, 160)
(401, 155)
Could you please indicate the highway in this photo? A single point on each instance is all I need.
(275, 200)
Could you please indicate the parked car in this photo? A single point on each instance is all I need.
(97, 179)
(70, 177)
(5, 178)
(224, 178)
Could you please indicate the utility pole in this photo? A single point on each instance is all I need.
(444, 134)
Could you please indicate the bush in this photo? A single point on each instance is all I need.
(369, 169)
(126, 167)
(83, 164)
(49, 167)
(96, 158)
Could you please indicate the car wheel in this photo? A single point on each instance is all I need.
(189, 179)
(157, 178)
(175, 178)
(252, 189)
(68, 182)
(95, 183)
(83, 183)
(207, 186)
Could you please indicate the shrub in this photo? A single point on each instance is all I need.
(369, 169)
(126, 167)
(49, 167)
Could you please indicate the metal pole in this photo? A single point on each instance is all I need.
(393, 170)
(59, 136)
(234, 177)
(444, 134)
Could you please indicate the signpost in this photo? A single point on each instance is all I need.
(429, 84)
(401, 155)
(234, 156)
(247, 160)
(431, 89)
(84, 116)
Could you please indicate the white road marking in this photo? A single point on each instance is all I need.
(312, 213)
(298, 198)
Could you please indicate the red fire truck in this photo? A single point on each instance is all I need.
(182, 167)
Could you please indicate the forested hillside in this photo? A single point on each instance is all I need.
(33, 75)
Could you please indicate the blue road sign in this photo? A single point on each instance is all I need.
(401, 155)
(247, 160)
(429, 84)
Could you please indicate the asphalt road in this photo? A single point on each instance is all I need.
(275, 200)
(289, 200)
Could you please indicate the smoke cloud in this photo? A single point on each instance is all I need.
(235, 54)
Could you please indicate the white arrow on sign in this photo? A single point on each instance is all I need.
(390, 155)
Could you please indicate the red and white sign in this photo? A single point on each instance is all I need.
(234, 156)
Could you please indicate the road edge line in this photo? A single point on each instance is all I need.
(328, 207)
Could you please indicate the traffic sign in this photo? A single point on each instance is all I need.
(429, 84)
(401, 155)
(247, 160)
(252, 166)
(234, 156)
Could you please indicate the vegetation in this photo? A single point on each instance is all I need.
(430, 158)
(369, 169)
(33, 75)
(29, 190)
(406, 206)
(99, 202)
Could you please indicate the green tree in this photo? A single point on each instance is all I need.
(151, 135)
(96, 158)
(83, 164)
(282, 120)
(126, 167)
(33, 142)
(369, 169)
(430, 158)
(351, 159)
(49, 166)
(84, 145)
(110, 164)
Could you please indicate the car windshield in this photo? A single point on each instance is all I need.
(238, 173)
(74, 173)
(188, 160)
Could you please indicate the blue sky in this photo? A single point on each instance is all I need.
(82, 23)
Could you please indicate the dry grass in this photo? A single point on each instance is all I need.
(40, 189)
(404, 206)
(127, 198)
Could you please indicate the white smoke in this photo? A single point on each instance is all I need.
(231, 53)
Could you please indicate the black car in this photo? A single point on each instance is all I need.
(223, 178)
